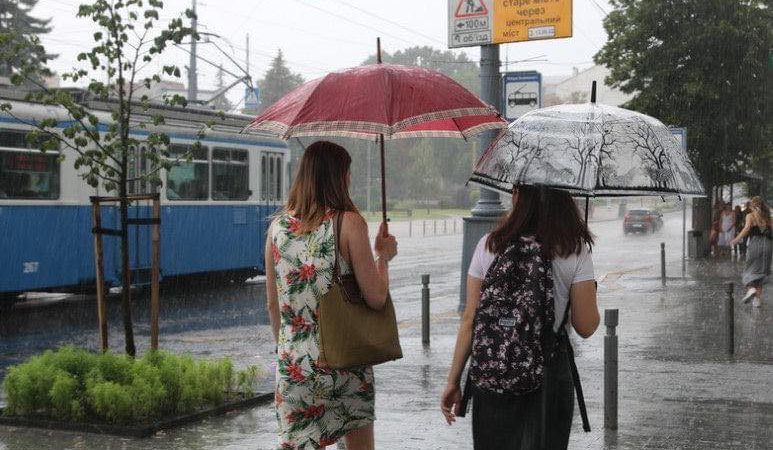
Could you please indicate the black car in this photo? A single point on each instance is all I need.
(642, 221)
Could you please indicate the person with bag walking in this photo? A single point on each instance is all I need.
(317, 405)
(528, 281)
(759, 250)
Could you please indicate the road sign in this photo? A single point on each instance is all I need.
(251, 98)
(481, 22)
(522, 93)
(470, 22)
(681, 135)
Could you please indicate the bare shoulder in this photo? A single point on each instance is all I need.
(355, 222)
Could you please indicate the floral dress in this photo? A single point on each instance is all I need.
(315, 406)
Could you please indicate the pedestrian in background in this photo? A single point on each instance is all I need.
(759, 248)
(726, 230)
(316, 405)
(547, 222)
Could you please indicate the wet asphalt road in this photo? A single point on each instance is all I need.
(678, 389)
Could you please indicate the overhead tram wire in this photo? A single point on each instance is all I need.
(370, 27)
(603, 11)
(391, 22)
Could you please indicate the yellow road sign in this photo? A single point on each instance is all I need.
(479, 22)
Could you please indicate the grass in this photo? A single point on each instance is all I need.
(74, 384)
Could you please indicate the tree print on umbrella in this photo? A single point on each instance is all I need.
(589, 149)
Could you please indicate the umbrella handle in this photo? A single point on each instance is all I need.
(384, 218)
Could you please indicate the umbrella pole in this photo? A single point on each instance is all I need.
(587, 204)
(383, 185)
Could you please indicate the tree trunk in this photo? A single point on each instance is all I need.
(126, 301)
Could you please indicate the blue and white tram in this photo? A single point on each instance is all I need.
(214, 208)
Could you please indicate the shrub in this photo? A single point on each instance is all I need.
(73, 384)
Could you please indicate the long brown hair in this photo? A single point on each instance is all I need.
(320, 185)
(760, 211)
(548, 214)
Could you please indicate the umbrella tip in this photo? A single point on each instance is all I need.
(593, 92)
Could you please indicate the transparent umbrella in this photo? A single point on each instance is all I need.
(590, 150)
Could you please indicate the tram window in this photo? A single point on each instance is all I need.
(263, 178)
(26, 174)
(138, 165)
(230, 174)
(188, 180)
(278, 179)
(271, 176)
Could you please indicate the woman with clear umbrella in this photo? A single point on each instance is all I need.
(503, 421)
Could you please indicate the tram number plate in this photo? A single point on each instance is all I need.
(31, 266)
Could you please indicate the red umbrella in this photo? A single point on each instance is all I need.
(383, 101)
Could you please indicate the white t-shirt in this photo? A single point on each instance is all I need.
(566, 272)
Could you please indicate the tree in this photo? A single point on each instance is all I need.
(278, 81)
(221, 103)
(456, 66)
(21, 30)
(127, 40)
(701, 65)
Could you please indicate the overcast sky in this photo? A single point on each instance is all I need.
(319, 36)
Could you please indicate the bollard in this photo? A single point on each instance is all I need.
(434, 227)
(663, 263)
(445, 227)
(454, 226)
(610, 369)
(423, 227)
(730, 311)
(425, 309)
(410, 228)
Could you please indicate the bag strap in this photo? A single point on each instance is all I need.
(577, 386)
(337, 239)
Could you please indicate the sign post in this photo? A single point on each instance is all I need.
(488, 23)
(681, 135)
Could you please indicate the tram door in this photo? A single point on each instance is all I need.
(139, 235)
(271, 188)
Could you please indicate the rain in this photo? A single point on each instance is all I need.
(651, 125)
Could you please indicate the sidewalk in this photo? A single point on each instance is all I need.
(677, 387)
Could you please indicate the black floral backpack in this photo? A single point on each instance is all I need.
(513, 337)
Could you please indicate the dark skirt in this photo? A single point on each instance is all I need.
(514, 423)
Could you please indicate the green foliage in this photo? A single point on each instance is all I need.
(454, 65)
(278, 81)
(699, 65)
(73, 384)
(20, 37)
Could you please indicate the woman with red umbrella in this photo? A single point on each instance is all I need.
(316, 405)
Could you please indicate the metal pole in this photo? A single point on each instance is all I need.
(425, 309)
(155, 273)
(730, 311)
(488, 209)
(445, 226)
(423, 227)
(193, 81)
(370, 177)
(684, 237)
(434, 227)
(663, 263)
(610, 369)
(410, 228)
(454, 226)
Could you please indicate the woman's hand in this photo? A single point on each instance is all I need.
(385, 244)
(450, 402)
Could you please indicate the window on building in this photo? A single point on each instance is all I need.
(230, 174)
(188, 180)
(25, 172)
